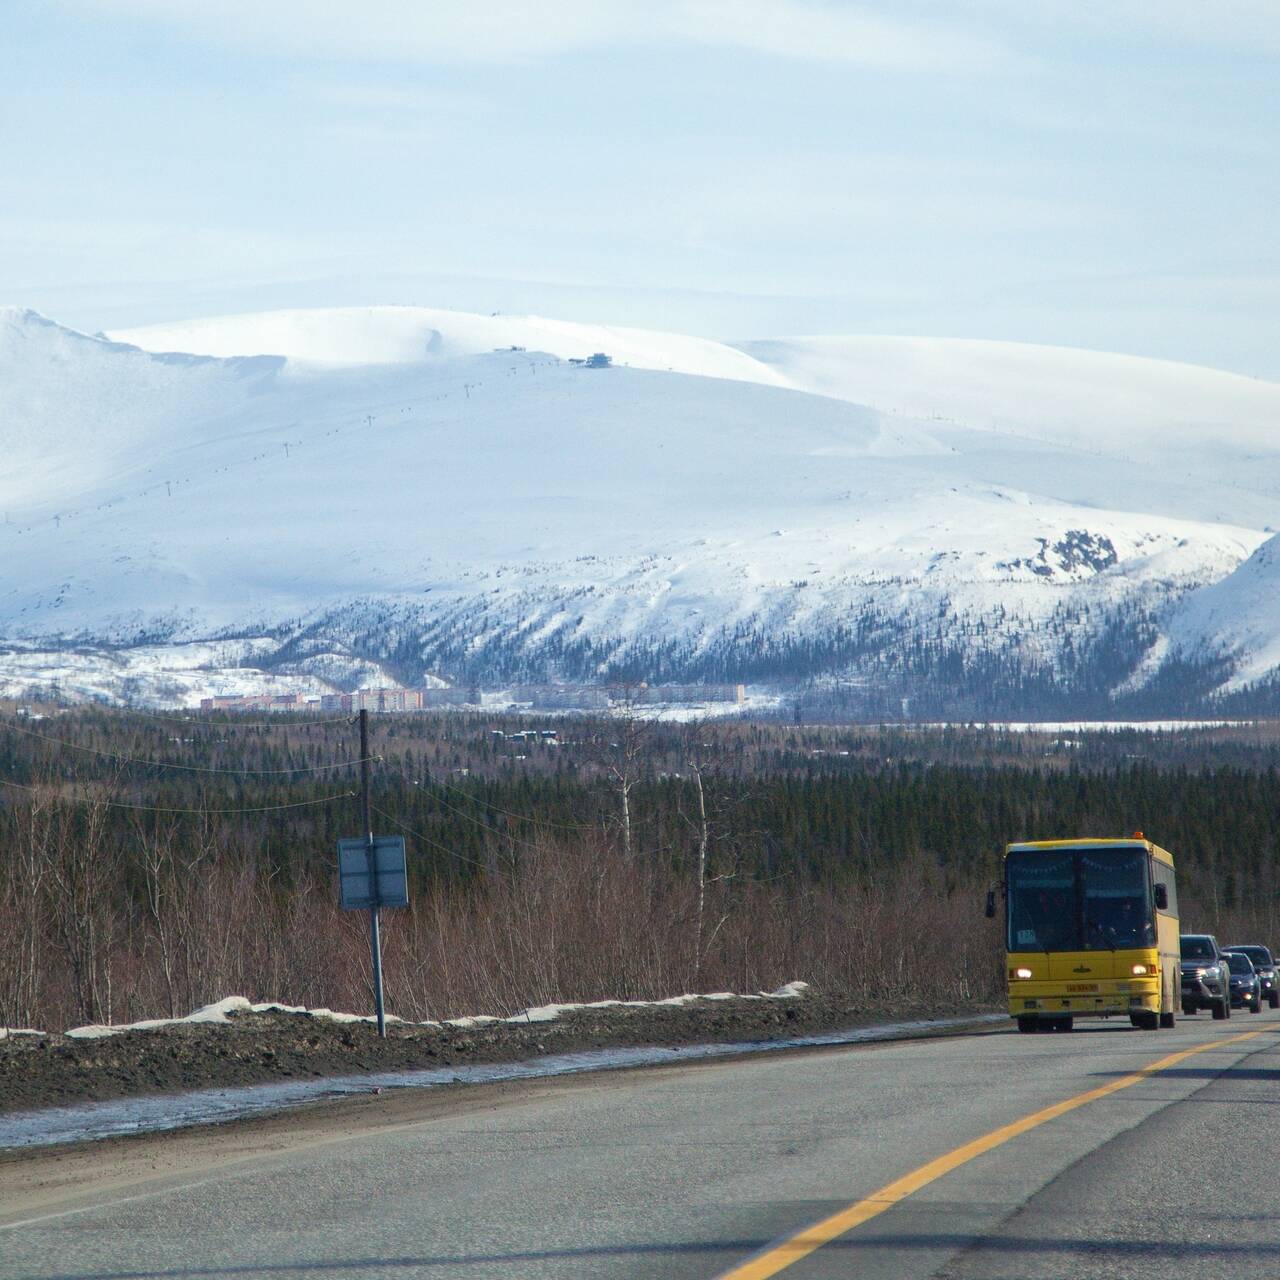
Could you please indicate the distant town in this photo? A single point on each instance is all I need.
(537, 697)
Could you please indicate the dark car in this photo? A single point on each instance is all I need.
(1243, 984)
(1205, 976)
(1266, 967)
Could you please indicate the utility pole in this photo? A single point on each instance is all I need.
(366, 819)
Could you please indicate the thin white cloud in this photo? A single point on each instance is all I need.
(827, 32)
(499, 31)
(398, 98)
(1244, 24)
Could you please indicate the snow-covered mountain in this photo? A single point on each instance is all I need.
(346, 336)
(976, 527)
(1236, 619)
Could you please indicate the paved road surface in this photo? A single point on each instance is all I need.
(723, 1170)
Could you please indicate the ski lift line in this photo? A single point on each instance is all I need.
(153, 808)
(365, 423)
(417, 835)
(189, 768)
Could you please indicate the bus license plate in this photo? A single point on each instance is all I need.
(1082, 986)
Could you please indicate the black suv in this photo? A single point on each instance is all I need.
(1246, 990)
(1205, 976)
(1266, 968)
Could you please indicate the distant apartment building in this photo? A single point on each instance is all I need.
(562, 697)
(386, 700)
(261, 702)
(690, 693)
(541, 697)
(450, 697)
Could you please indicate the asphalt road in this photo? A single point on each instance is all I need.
(929, 1158)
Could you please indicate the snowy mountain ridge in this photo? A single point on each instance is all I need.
(316, 499)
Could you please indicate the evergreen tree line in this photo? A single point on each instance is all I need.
(628, 861)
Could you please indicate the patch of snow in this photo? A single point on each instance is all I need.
(790, 991)
(1081, 726)
(219, 1012)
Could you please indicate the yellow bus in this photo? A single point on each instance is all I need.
(1091, 930)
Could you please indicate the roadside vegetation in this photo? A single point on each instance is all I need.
(149, 865)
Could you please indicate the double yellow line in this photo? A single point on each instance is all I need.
(778, 1257)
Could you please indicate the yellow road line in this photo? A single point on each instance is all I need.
(806, 1241)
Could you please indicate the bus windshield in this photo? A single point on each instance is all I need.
(1078, 899)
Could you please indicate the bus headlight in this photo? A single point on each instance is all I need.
(1022, 973)
(1140, 971)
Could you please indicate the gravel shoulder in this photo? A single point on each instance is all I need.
(258, 1048)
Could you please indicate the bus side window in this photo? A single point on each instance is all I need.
(1162, 877)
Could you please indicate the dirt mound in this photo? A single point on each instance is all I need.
(258, 1047)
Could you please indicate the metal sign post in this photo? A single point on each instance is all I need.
(375, 937)
(372, 874)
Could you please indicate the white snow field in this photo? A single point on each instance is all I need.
(1238, 617)
(340, 484)
(346, 336)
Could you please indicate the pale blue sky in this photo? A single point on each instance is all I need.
(1098, 173)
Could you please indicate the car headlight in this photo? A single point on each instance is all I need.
(1201, 972)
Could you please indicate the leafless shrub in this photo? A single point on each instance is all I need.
(575, 919)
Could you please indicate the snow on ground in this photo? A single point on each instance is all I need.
(221, 1012)
(1238, 616)
(1082, 726)
(428, 480)
(1098, 400)
(345, 336)
(175, 675)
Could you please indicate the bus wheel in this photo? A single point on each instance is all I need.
(1027, 1025)
(1064, 1023)
(1145, 1021)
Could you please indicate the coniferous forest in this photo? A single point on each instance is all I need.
(150, 864)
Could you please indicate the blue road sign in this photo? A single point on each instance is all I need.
(391, 882)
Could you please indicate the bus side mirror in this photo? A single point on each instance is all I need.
(1162, 898)
(991, 904)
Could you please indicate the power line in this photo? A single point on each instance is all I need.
(194, 721)
(508, 813)
(173, 764)
(468, 817)
(151, 808)
(576, 827)
(435, 844)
